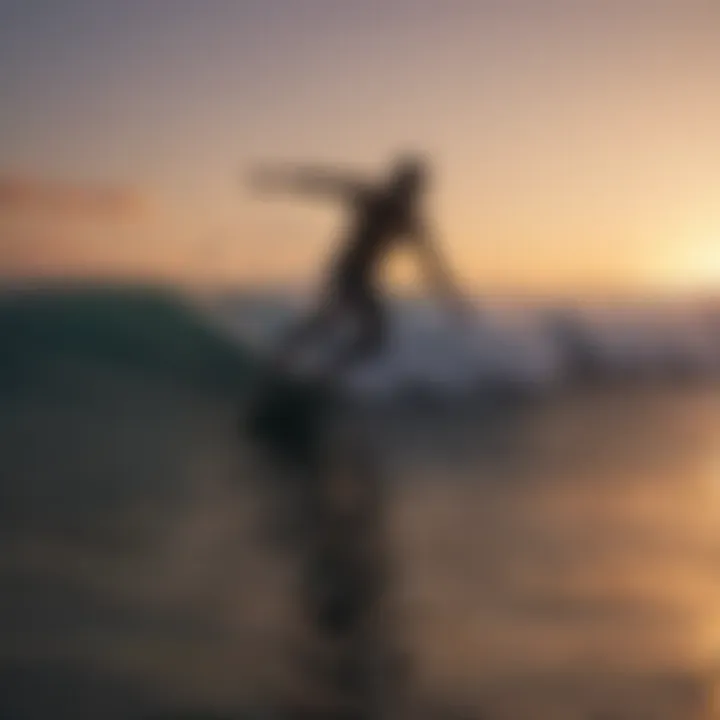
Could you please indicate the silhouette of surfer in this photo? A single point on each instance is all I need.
(383, 215)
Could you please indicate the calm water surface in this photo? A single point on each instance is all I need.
(560, 561)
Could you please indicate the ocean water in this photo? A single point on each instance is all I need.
(563, 563)
(531, 344)
(555, 559)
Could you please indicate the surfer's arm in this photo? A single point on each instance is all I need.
(307, 180)
(436, 270)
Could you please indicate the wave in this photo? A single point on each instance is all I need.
(530, 347)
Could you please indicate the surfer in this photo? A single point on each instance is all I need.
(383, 215)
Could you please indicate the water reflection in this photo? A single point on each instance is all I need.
(558, 563)
(586, 558)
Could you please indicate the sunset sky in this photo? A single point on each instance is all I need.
(576, 143)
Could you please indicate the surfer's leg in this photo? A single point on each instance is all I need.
(371, 335)
(320, 320)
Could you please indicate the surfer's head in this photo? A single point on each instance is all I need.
(409, 176)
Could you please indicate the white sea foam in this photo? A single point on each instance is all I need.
(523, 346)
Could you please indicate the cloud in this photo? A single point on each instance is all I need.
(26, 196)
(50, 227)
